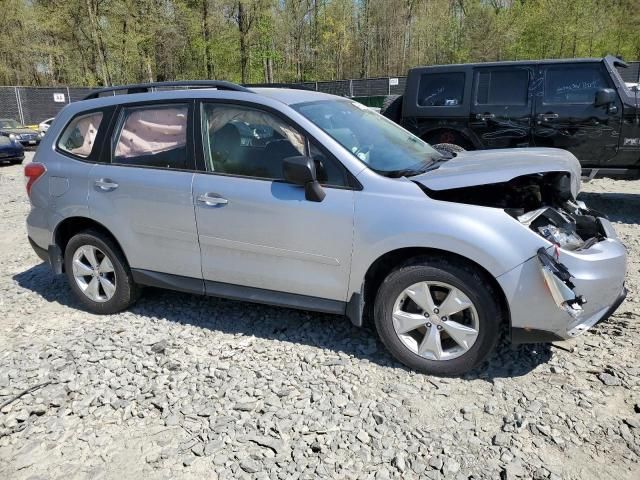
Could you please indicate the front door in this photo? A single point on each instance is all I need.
(566, 117)
(254, 229)
(144, 196)
(501, 106)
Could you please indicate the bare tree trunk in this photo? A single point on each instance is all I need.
(244, 24)
(123, 76)
(206, 37)
(364, 29)
(98, 41)
(267, 65)
(149, 68)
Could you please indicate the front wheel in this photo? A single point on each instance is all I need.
(98, 273)
(438, 317)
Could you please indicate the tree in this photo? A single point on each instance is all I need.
(100, 42)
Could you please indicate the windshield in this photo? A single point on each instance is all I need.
(9, 124)
(376, 141)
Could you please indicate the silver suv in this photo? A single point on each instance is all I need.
(307, 200)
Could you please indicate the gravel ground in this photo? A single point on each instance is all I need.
(190, 387)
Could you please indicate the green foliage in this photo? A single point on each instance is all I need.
(97, 42)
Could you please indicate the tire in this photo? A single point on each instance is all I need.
(449, 148)
(392, 107)
(126, 292)
(484, 316)
(450, 137)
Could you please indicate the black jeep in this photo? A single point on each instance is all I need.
(581, 105)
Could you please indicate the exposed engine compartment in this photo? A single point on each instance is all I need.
(543, 202)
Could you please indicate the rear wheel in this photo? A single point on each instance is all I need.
(98, 273)
(438, 317)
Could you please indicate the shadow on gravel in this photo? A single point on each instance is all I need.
(330, 332)
(619, 207)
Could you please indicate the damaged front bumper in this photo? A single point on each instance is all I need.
(559, 294)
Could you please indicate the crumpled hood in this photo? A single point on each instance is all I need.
(483, 167)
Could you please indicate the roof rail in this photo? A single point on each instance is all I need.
(148, 87)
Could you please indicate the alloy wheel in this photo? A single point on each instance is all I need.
(94, 273)
(435, 320)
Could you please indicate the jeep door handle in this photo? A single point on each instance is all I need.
(485, 116)
(212, 199)
(546, 117)
(106, 184)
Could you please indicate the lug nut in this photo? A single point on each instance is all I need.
(439, 327)
(428, 325)
(444, 319)
(435, 310)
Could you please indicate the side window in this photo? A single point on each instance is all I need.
(502, 87)
(152, 136)
(79, 135)
(248, 142)
(573, 84)
(327, 171)
(441, 89)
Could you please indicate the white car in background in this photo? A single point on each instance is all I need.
(44, 126)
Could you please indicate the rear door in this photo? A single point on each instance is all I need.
(142, 194)
(501, 106)
(566, 117)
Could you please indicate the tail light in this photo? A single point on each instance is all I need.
(32, 172)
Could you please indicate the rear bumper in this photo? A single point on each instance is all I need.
(597, 276)
(41, 252)
(52, 256)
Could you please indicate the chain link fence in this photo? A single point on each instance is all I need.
(32, 105)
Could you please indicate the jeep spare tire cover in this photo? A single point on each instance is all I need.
(392, 107)
(448, 148)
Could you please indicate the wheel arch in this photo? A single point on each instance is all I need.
(360, 306)
(470, 139)
(70, 226)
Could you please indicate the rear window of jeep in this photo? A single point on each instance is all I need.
(441, 89)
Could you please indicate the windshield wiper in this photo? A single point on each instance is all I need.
(411, 172)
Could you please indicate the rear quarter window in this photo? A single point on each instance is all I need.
(79, 136)
(441, 89)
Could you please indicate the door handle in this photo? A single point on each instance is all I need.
(485, 116)
(212, 199)
(106, 184)
(546, 117)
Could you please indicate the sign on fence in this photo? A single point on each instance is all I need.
(58, 97)
(393, 82)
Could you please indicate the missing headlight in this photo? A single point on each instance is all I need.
(553, 226)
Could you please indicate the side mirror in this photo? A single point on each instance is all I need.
(605, 96)
(302, 171)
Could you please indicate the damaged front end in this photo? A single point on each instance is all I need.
(582, 262)
(543, 202)
(558, 280)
